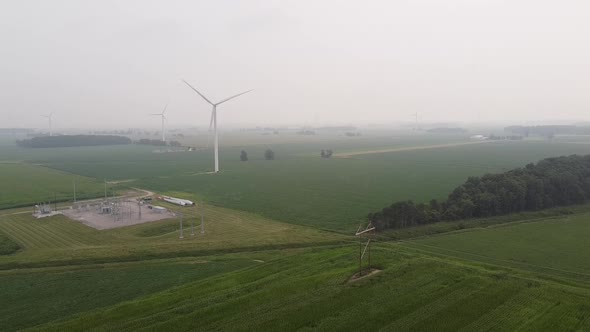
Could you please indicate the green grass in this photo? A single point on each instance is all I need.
(337, 194)
(553, 246)
(460, 225)
(309, 291)
(47, 294)
(266, 270)
(7, 245)
(24, 184)
(58, 240)
(299, 187)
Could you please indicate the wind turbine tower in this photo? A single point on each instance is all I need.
(416, 127)
(163, 119)
(49, 119)
(213, 122)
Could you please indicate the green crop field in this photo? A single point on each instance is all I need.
(461, 280)
(46, 294)
(26, 184)
(299, 187)
(555, 245)
(277, 253)
(337, 194)
(310, 291)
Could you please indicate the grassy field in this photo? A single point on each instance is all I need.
(26, 184)
(310, 291)
(277, 252)
(337, 194)
(516, 275)
(299, 187)
(60, 241)
(553, 246)
(8, 245)
(46, 294)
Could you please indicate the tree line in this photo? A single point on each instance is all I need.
(550, 183)
(157, 142)
(268, 155)
(72, 140)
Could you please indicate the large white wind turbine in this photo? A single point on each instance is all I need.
(163, 118)
(213, 122)
(49, 118)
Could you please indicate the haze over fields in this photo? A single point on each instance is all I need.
(109, 63)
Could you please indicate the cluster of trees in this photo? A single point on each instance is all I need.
(72, 140)
(551, 182)
(445, 130)
(337, 128)
(157, 142)
(115, 132)
(147, 141)
(351, 134)
(326, 154)
(503, 138)
(16, 131)
(268, 155)
(306, 132)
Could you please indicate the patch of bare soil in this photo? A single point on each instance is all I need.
(366, 274)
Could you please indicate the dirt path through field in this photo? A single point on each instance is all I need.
(406, 148)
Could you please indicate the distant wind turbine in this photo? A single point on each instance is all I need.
(49, 118)
(416, 118)
(213, 122)
(163, 118)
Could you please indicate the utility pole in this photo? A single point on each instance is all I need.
(105, 189)
(369, 229)
(360, 256)
(193, 225)
(369, 256)
(74, 190)
(202, 224)
(181, 236)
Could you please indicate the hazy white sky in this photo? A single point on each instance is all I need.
(96, 63)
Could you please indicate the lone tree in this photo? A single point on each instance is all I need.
(243, 156)
(326, 153)
(323, 154)
(269, 154)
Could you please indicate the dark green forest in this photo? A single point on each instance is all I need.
(552, 182)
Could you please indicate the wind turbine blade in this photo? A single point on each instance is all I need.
(232, 97)
(165, 107)
(211, 123)
(195, 90)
